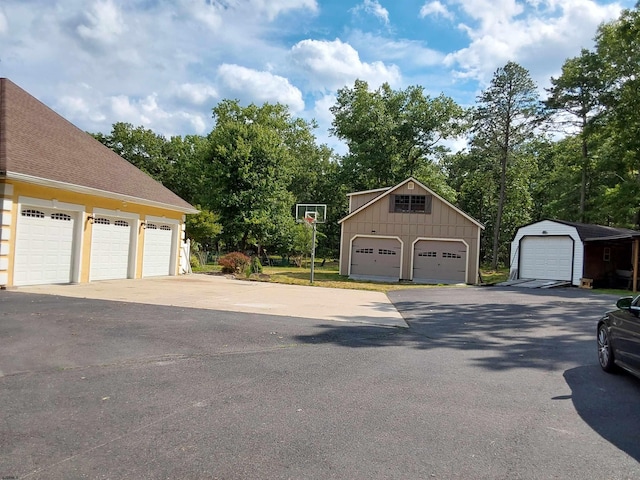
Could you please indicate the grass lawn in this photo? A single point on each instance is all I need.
(328, 276)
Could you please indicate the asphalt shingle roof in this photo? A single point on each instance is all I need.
(37, 142)
(599, 232)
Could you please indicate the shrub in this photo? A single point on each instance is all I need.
(256, 266)
(194, 260)
(234, 262)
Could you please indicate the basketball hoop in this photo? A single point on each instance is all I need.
(309, 220)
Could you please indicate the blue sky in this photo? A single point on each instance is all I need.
(164, 64)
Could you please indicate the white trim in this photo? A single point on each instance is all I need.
(430, 239)
(95, 191)
(340, 254)
(475, 280)
(364, 192)
(175, 237)
(549, 228)
(431, 192)
(133, 236)
(386, 237)
(78, 227)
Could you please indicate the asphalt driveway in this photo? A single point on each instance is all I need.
(485, 383)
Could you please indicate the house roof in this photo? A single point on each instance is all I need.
(388, 190)
(39, 146)
(591, 232)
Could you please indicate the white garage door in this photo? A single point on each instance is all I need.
(376, 257)
(110, 242)
(157, 250)
(436, 261)
(44, 246)
(546, 258)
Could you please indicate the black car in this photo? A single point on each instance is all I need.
(619, 337)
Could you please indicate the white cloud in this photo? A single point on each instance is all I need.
(257, 86)
(331, 65)
(373, 7)
(102, 23)
(4, 24)
(540, 37)
(196, 93)
(435, 9)
(409, 52)
(273, 8)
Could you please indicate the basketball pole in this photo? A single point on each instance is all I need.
(313, 250)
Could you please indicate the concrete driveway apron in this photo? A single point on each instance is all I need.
(217, 292)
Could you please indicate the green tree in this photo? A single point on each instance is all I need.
(618, 48)
(503, 122)
(138, 145)
(392, 134)
(250, 163)
(574, 98)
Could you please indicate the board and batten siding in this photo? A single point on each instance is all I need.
(443, 222)
(358, 199)
(552, 229)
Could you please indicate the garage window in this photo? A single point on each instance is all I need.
(364, 250)
(410, 204)
(428, 254)
(151, 226)
(121, 223)
(384, 251)
(33, 213)
(165, 227)
(102, 221)
(450, 255)
(61, 216)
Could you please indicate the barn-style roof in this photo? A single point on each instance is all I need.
(592, 232)
(39, 146)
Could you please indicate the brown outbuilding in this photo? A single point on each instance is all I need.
(408, 233)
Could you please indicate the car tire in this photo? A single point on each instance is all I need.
(605, 352)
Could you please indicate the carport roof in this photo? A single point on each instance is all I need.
(39, 146)
(592, 232)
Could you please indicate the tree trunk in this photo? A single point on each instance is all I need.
(496, 227)
(585, 166)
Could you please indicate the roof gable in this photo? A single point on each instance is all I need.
(38, 144)
(390, 190)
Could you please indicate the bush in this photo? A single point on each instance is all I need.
(194, 260)
(256, 266)
(234, 262)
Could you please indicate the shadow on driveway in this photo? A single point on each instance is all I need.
(608, 404)
(510, 329)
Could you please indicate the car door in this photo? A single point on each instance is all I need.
(625, 334)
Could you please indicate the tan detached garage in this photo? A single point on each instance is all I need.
(407, 232)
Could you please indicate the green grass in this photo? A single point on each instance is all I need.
(328, 276)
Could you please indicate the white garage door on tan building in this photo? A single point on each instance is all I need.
(436, 261)
(376, 257)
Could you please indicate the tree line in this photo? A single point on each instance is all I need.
(571, 154)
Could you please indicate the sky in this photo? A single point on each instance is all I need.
(164, 64)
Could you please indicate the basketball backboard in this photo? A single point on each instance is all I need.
(311, 213)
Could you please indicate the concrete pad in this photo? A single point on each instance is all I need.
(216, 292)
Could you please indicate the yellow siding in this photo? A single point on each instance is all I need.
(90, 202)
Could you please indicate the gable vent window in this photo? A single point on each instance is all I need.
(165, 227)
(61, 216)
(121, 223)
(410, 204)
(151, 226)
(32, 213)
(102, 221)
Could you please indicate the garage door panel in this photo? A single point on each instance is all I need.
(376, 257)
(44, 246)
(439, 261)
(548, 258)
(157, 250)
(110, 247)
